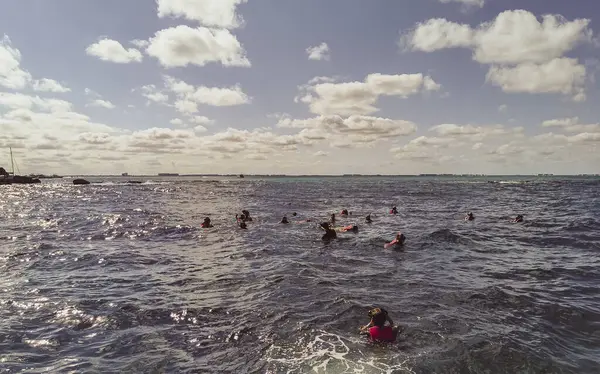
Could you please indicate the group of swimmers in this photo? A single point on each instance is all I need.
(376, 329)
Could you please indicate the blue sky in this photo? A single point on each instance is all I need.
(222, 86)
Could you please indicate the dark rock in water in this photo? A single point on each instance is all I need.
(20, 179)
(80, 181)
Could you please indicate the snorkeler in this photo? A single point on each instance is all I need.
(247, 215)
(518, 219)
(284, 220)
(332, 219)
(377, 330)
(344, 212)
(294, 214)
(206, 224)
(394, 210)
(398, 241)
(368, 218)
(243, 225)
(329, 232)
(469, 217)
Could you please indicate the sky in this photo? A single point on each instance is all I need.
(300, 87)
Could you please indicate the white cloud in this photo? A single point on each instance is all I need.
(561, 75)
(514, 37)
(101, 104)
(572, 125)
(214, 13)
(176, 122)
(189, 97)
(22, 101)
(360, 97)
(49, 85)
(470, 3)
(112, 51)
(199, 129)
(182, 46)
(202, 120)
(141, 44)
(526, 54)
(319, 52)
(355, 130)
(11, 73)
(503, 108)
(216, 96)
(153, 94)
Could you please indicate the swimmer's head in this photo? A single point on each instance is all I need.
(325, 225)
(294, 214)
(284, 220)
(378, 316)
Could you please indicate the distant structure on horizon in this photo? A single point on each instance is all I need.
(168, 174)
(124, 174)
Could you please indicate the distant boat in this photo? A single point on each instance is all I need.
(124, 174)
(11, 178)
(241, 175)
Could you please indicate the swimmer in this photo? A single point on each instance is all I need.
(469, 217)
(368, 218)
(243, 225)
(241, 217)
(206, 224)
(518, 219)
(344, 212)
(377, 330)
(332, 219)
(329, 232)
(247, 215)
(294, 214)
(284, 220)
(394, 210)
(398, 241)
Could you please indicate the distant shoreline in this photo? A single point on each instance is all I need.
(341, 175)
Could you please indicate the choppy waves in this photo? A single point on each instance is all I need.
(117, 277)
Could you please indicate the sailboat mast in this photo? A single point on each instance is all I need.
(12, 161)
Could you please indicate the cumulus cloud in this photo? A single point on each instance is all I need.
(153, 94)
(189, 96)
(183, 45)
(214, 13)
(22, 101)
(560, 75)
(202, 120)
(524, 52)
(112, 51)
(352, 131)
(515, 36)
(176, 122)
(572, 125)
(49, 85)
(352, 98)
(11, 74)
(101, 104)
(319, 52)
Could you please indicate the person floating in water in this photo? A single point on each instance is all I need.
(332, 219)
(394, 210)
(284, 220)
(398, 241)
(344, 212)
(206, 224)
(377, 330)
(518, 219)
(329, 232)
(247, 215)
(243, 225)
(368, 218)
(470, 217)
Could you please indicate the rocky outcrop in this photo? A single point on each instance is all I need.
(80, 181)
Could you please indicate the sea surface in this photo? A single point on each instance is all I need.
(119, 278)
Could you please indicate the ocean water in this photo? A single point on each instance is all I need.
(117, 278)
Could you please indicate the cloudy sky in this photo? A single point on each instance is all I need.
(300, 87)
